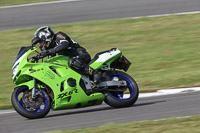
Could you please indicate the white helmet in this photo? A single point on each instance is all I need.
(44, 36)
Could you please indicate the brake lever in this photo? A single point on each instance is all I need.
(34, 59)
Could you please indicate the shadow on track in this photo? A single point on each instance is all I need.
(148, 103)
(99, 109)
(80, 111)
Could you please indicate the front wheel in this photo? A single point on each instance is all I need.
(126, 98)
(27, 107)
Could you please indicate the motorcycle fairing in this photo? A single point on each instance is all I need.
(105, 58)
(55, 73)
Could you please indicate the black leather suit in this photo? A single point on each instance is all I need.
(64, 45)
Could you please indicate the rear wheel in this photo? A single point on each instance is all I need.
(24, 104)
(126, 98)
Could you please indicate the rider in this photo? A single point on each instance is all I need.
(52, 44)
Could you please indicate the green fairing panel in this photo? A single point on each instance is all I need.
(76, 97)
(55, 73)
(29, 84)
(106, 58)
(61, 59)
(70, 97)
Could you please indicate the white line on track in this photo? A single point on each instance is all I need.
(160, 15)
(169, 92)
(6, 111)
(174, 117)
(35, 4)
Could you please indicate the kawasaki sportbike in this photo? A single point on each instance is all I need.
(47, 84)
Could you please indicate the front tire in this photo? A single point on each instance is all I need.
(119, 99)
(23, 104)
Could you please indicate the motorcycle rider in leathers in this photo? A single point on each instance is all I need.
(53, 44)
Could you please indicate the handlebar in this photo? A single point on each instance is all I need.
(37, 57)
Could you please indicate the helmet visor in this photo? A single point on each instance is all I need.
(43, 45)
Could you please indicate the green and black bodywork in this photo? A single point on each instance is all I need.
(41, 85)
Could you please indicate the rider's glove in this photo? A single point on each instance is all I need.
(45, 53)
(51, 51)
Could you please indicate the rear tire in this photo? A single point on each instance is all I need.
(112, 99)
(21, 107)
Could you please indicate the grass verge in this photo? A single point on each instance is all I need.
(164, 51)
(172, 125)
(18, 2)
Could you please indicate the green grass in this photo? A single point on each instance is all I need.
(164, 51)
(18, 2)
(172, 125)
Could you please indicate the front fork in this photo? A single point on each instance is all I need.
(35, 91)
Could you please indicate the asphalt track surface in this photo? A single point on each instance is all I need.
(88, 10)
(152, 108)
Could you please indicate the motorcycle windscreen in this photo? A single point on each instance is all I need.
(21, 52)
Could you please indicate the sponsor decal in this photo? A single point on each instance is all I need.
(60, 36)
(32, 71)
(62, 95)
(50, 75)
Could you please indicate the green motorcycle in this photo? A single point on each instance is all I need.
(44, 84)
